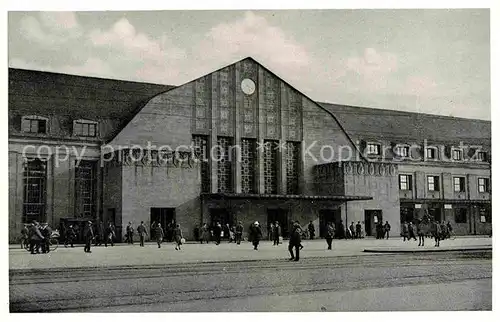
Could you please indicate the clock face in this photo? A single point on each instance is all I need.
(248, 86)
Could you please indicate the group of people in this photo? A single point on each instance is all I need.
(435, 229)
(36, 236)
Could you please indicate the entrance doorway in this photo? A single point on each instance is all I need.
(221, 215)
(281, 216)
(163, 216)
(328, 216)
(372, 218)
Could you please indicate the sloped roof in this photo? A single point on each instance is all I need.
(363, 122)
(76, 97)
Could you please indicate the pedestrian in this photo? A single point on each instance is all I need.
(276, 234)
(450, 229)
(379, 229)
(358, 230)
(70, 236)
(24, 236)
(36, 238)
(89, 236)
(205, 234)
(404, 232)
(256, 235)
(232, 232)
(295, 242)
(141, 230)
(270, 229)
(217, 233)
(444, 230)
(239, 233)
(110, 235)
(436, 232)
(159, 234)
(130, 233)
(226, 231)
(312, 230)
(421, 233)
(387, 229)
(411, 231)
(352, 231)
(330, 233)
(46, 233)
(178, 237)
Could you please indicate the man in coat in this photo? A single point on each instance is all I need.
(130, 233)
(89, 236)
(276, 234)
(110, 235)
(46, 233)
(256, 235)
(159, 234)
(358, 230)
(36, 238)
(239, 232)
(330, 233)
(387, 229)
(141, 230)
(405, 231)
(295, 242)
(217, 233)
(311, 230)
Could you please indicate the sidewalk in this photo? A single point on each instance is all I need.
(134, 255)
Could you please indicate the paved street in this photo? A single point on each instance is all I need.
(195, 253)
(345, 279)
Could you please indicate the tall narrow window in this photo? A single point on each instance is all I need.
(459, 184)
(405, 182)
(224, 165)
(248, 158)
(457, 154)
(482, 156)
(35, 193)
(271, 167)
(292, 167)
(433, 183)
(483, 184)
(200, 144)
(403, 151)
(85, 188)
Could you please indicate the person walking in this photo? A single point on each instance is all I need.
(411, 231)
(255, 235)
(421, 233)
(295, 242)
(276, 234)
(436, 232)
(24, 237)
(387, 229)
(330, 233)
(404, 231)
(217, 233)
(46, 233)
(205, 234)
(141, 230)
(358, 230)
(110, 235)
(450, 229)
(70, 236)
(352, 230)
(239, 233)
(36, 238)
(89, 236)
(178, 237)
(312, 230)
(444, 230)
(130, 233)
(159, 234)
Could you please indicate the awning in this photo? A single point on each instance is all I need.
(447, 201)
(277, 196)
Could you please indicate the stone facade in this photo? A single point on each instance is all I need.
(280, 156)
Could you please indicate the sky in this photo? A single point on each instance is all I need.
(430, 61)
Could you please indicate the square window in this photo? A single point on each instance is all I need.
(403, 151)
(374, 148)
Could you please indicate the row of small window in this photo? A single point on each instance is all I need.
(405, 183)
(37, 124)
(431, 153)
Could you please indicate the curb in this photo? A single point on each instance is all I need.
(437, 250)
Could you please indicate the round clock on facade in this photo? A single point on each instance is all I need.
(248, 86)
